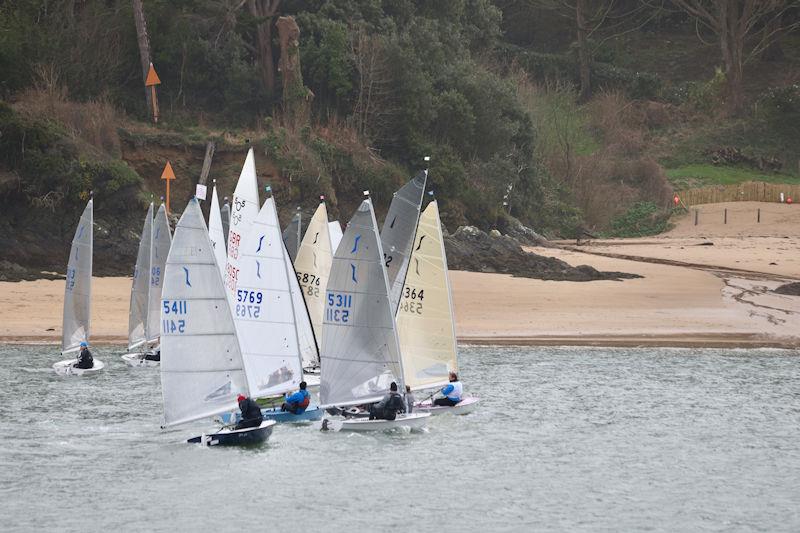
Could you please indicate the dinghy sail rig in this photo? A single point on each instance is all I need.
(313, 265)
(201, 366)
(335, 231)
(360, 352)
(140, 288)
(244, 212)
(78, 289)
(398, 232)
(309, 349)
(215, 231)
(291, 235)
(425, 322)
(264, 313)
(225, 213)
(161, 244)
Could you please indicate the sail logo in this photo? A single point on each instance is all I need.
(393, 221)
(260, 242)
(258, 270)
(219, 393)
(355, 244)
(80, 233)
(353, 267)
(186, 271)
(420, 243)
(315, 238)
(417, 267)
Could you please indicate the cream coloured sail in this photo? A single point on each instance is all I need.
(360, 352)
(215, 231)
(263, 311)
(78, 289)
(313, 265)
(335, 231)
(161, 242)
(309, 350)
(140, 287)
(244, 211)
(425, 322)
(201, 365)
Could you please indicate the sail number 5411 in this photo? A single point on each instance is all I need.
(339, 307)
(171, 309)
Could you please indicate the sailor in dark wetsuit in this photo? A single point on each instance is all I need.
(251, 413)
(85, 359)
(389, 406)
(154, 355)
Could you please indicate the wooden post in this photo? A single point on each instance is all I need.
(725, 220)
(758, 219)
(210, 147)
(168, 175)
(695, 217)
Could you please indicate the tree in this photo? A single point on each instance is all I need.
(735, 22)
(144, 43)
(264, 11)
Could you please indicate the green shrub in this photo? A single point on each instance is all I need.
(780, 106)
(640, 220)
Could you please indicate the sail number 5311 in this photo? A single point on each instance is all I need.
(339, 307)
(170, 311)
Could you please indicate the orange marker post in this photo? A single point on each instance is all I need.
(151, 81)
(168, 175)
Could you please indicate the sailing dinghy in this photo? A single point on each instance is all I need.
(425, 321)
(148, 276)
(78, 296)
(360, 350)
(202, 372)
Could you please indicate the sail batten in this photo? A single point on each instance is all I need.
(140, 287)
(76, 323)
(202, 371)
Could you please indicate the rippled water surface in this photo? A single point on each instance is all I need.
(565, 439)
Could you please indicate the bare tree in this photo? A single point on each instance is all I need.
(374, 106)
(144, 44)
(734, 22)
(264, 11)
(296, 96)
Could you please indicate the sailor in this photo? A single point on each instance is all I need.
(452, 392)
(85, 359)
(251, 413)
(389, 406)
(409, 399)
(297, 402)
(153, 355)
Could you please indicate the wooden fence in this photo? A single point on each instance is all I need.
(750, 191)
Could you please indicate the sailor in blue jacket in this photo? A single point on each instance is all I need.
(297, 402)
(452, 392)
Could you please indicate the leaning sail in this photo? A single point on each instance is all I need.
(291, 235)
(201, 365)
(140, 288)
(263, 311)
(244, 212)
(78, 289)
(162, 240)
(398, 232)
(335, 231)
(216, 232)
(360, 353)
(309, 348)
(225, 214)
(425, 321)
(313, 265)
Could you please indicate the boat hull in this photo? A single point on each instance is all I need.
(65, 368)
(413, 421)
(236, 437)
(311, 414)
(137, 360)
(465, 406)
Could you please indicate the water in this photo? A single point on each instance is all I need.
(565, 439)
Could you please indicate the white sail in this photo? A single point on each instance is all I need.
(78, 289)
(309, 351)
(425, 322)
(225, 213)
(243, 212)
(201, 365)
(161, 243)
(360, 352)
(313, 265)
(216, 233)
(335, 231)
(398, 232)
(140, 288)
(291, 235)
(263, 311)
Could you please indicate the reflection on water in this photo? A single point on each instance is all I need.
(565, 439)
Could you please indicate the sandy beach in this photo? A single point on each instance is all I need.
(712, 289)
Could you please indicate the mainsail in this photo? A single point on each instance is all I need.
(313, 265)
(140, 288)
(335, 231)
(244, 212)
(425, 322)
(398, 232)
(78, 289)
(161, 243)
(360, 352)
(201, 365)
(263, 311)
(291, 235)
(225, 214)
(309, 351)
(215, 231)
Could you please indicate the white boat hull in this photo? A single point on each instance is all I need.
(413, 421)
(65, 368)
(465, 406)
(138, 360)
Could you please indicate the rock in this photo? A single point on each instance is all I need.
(525, 235)
(495, 233)
(791, 289)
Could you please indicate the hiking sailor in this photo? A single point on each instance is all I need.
(297, 402)
(452, 392)
(251, 413)
(85, 359)
(389, 406)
